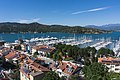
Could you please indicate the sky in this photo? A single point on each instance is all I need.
(62, 12)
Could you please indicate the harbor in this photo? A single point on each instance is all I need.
(82, 41)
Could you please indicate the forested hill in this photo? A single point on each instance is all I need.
(9, 27)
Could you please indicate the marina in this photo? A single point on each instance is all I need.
(98, 41)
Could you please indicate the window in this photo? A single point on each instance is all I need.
(59, 72)
(108, 64)
(117, 69)
(117, 65)
(112, 66)
(22, 75)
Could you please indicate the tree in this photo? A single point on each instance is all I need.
(18, 47)
(36, 27)
(15, 75)
(75, 77)
(96, 71)
(75, 53)
(114, 76)
(51, 76)
(105, 52)
(35, 54)
(21, 41)
(91, 51)
(57, 56)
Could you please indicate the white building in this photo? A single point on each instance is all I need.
(112, 63)
(42, 50)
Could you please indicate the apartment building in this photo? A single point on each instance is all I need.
(112, 63)
(32, 71)
(42, 50)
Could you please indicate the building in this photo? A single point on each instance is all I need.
(32, 71)
(4, 51)
(66, 68)
(112, 63)
(11, 56)
(10, 45)
(28, 48)
(42, 50)
(15, 57)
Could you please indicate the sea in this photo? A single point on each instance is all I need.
(114, 37)
(11, 37)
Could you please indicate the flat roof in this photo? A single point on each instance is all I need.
(36, 73)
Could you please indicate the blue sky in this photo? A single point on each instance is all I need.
(67, 12)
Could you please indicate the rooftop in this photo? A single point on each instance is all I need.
(68, 67)
(32, 68)
(11, 55)
(38, 67)
(109, 60)
(44, 48)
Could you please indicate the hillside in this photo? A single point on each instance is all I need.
(36, 27)
(114, 27)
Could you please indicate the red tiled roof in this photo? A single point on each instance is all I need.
(34, 66)
(108, 59)
(38, 47)
(64, 65)
(21, 56)
(11, 55)
(44, 48)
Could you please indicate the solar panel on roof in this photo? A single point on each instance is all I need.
(26, 70)
(32, 58)
(105, 61)
(117, 61)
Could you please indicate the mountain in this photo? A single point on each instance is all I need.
(114, 27)
(9, 27)
(92, 26)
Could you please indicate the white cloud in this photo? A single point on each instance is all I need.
(29, 20)
(36, 20)
(23, 21)
(91, 10)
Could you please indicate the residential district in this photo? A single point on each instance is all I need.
(29, 60)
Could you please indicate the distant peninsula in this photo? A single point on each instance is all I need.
(13, 27)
